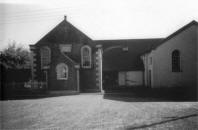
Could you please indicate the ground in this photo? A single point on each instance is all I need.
(93, 111)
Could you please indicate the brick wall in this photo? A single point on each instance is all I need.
(65, 33)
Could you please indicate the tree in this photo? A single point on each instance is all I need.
(15, 56)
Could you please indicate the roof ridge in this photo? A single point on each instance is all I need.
(193, 22)
(79, 30)
(36, 43)
(60, 24)
(129, 39)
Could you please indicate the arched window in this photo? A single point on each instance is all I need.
(62, 71)
(45, 56)
(86, 57)
(176, 61)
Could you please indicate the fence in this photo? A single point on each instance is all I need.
(35, 85)
(20, 89)
(26, 85)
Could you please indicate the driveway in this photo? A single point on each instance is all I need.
(92, 111)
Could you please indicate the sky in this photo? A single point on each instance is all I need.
(27, 21)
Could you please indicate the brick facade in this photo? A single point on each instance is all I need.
(109, 58)
(79, 78)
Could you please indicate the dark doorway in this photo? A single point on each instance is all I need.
(110, 79)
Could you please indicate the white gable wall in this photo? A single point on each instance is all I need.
(186, 43)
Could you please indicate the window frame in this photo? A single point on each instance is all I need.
(90, 56)
(58, 75)
(176, 60)
(41, 56)
(65, 48)
(150, 60)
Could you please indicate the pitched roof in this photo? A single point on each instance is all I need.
(62, 33)
(178, 31)
(66, 33)
(115, 59)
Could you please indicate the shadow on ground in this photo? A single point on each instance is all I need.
(152, 95)
(120, 94)
(143, 126)
(35, 95)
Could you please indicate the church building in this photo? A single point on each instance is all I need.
(67, 59)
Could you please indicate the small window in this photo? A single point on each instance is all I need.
(62, 71)
(176, 61)
(150, 60)
(86, 57)
(65, 48)
(45, 56)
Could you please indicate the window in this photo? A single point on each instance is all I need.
(65, 48)
(45, 56)
(62, 71)
(86, 57)
(176, 61)
(150, 60)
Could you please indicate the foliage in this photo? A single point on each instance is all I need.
(15, 56)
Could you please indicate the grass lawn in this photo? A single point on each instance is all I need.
(92, 111)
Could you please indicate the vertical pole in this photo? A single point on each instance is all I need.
(100, 67)
(102, 91)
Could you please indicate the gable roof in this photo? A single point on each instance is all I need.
(116, 59)
(178, 31)
(62, 33)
